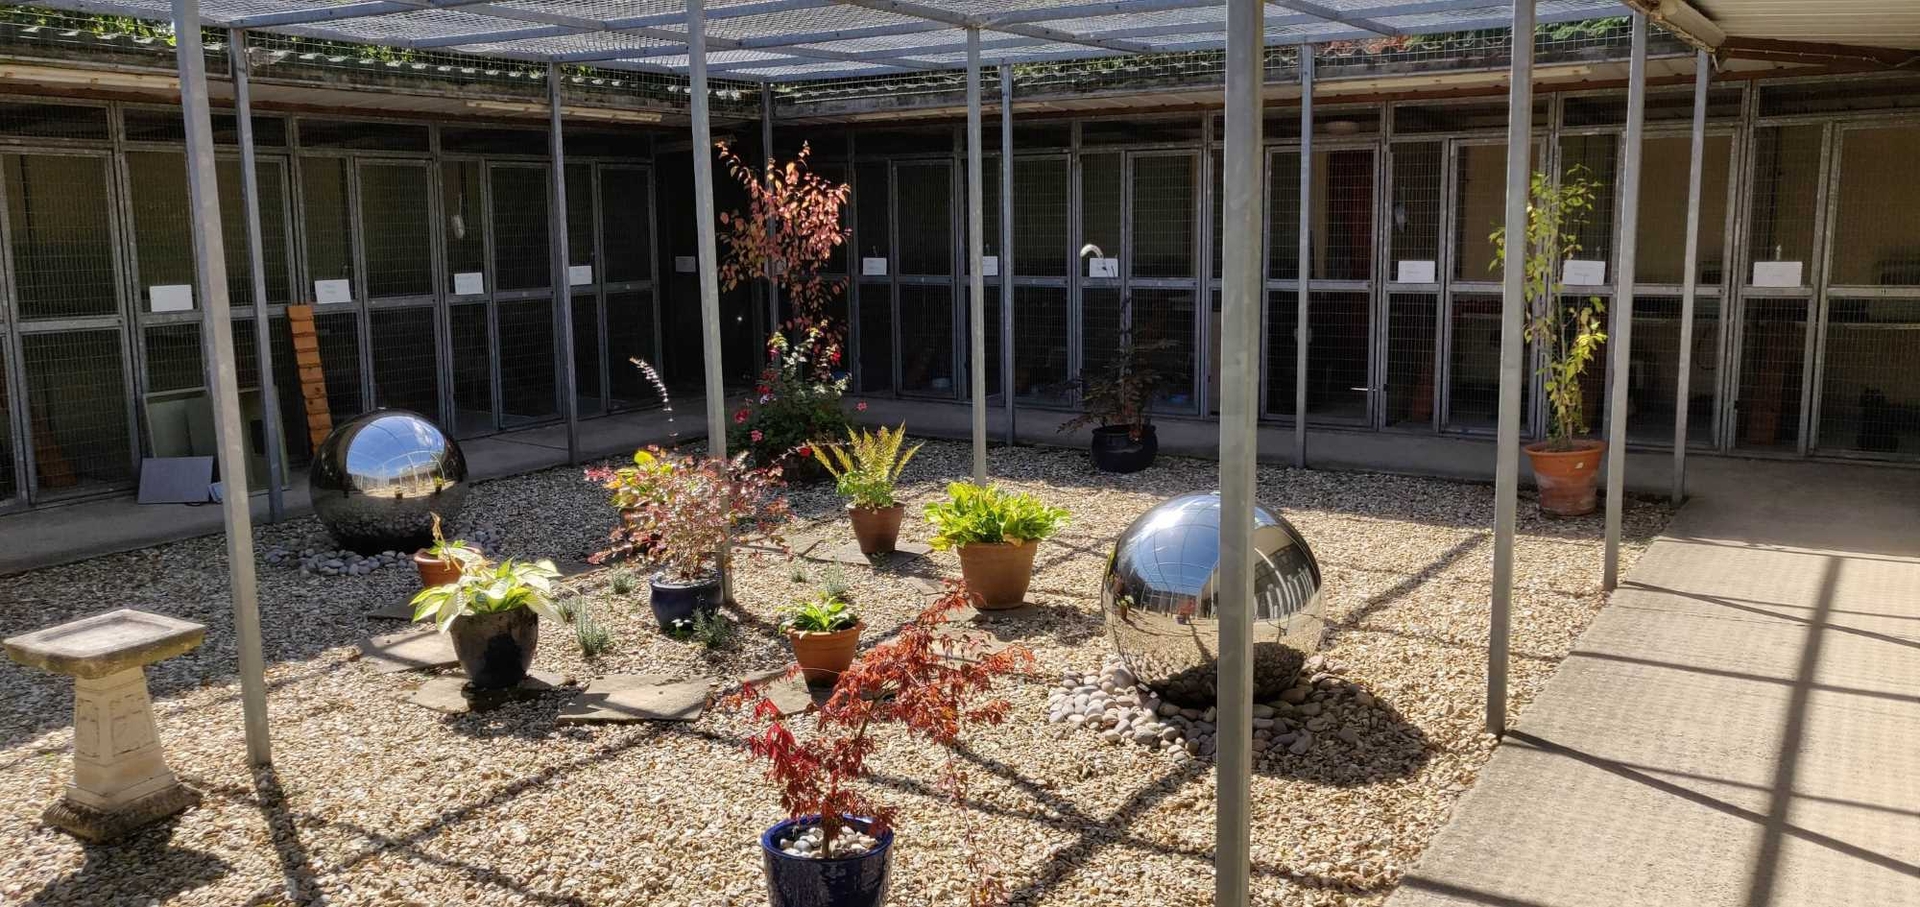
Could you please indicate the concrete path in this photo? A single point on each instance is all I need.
(1740, 726)
(66, 533)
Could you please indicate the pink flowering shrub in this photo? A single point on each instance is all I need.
(797, 398)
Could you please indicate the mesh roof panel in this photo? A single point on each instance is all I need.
(806, 39)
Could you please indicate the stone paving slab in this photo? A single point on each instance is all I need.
(412, 649)
(788, 692)
(1734, 730)
(395, 611)
(621, 698)
(449, 693)
(847, 551)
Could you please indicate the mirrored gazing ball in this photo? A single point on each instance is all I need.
(1158, 596)
(378, 479)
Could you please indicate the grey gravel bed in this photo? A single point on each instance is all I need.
(376, 801)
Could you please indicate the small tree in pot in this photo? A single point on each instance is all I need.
(682, 514)
(493, 613)
(836, 844)
(1117, 402)
(1568, 332)
(996, 535)
(865, 471)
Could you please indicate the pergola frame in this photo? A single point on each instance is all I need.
(1245, 28)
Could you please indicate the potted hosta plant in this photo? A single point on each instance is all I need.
(493, 613)
(442, 562)
(864, 471)
(825, 631)
(1116, 401)
(1569, 332)
(835, 846)
(996, 534)
(680, 517)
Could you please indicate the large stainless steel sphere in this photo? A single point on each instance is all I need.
(1158, 596)
(378, 479)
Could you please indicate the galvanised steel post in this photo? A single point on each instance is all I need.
(562, 273)
(708, 250)
(766, 157)
(1689, 285)
(1513, 313)
(1305, 252)
(1620, 341)
(272, 430)
(1007, 295)
(976, 282)
(210, 266)
(1239, 399)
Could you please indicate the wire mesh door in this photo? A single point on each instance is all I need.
(71, 357)
(1470, 325)
(1340, 305)
(1159, 303)
(1774, 345)
(631, 322)
(1868, 404)
(926, 302)
(526, 342)
(395, 208)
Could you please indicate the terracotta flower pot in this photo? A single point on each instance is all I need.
(823, 656)
(435, 571)
(998, 574)
(877, 529)
(1567, 478)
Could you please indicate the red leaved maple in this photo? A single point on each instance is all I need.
(787, 235)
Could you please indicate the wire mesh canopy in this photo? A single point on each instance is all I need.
(795, 40)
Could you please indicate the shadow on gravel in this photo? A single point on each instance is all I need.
(149, 859)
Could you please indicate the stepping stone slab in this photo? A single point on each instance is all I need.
(789, 694)
(621, 698)
(847, 551)
(396, 611)
(408, 650)
(449, 693)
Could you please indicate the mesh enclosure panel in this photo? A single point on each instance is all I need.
(462, 203)
(472, 347)
(329, 223)
(406, 373)
(1473, 365)
(1869, 391)
(626, 223)
(1772, 360)
(395, 230)
(926, 339)
(528, 386)
(1412, 337)
(522, 258)
(630, 336)
(61, 236)
(77, 411)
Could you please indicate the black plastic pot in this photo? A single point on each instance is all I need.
(495, 649)
(676, 601)
(1115, 450)
(806, 882)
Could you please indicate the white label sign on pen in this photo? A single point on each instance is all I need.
(989, 266)
(171, 297)
(1103, 267)
(684, 264)
(469, 283)
(873, 267)
(579, 274)
(329, 292)
(1779, 274)
(1582, 272)
(1418, 271)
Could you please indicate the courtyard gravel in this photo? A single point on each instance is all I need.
(374, 801)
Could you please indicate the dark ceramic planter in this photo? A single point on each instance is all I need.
(495, 649)
(805, 882)
(1115, 450)
(675, 601)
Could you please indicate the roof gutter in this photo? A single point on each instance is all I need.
(1685, 22)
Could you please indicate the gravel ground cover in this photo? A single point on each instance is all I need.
(373, 800)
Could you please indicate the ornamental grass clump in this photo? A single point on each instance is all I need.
(933, 685)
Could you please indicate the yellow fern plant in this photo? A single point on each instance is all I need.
(865, 468)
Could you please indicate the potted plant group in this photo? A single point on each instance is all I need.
(679, 514)
(442, 562)
(492, 612)
(825, 631)
(865, 470)
(996, 534)
(1568, 332)
(1117, 400)
(834, 847)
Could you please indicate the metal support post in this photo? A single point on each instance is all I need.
(976, 282)
(271, 430)
(1300, 328)
(1513, 313)
(210, 266)
(562, 283)
(1620, 340)
(1007, 293)
(1689, 285)
(708, 250)
(766, 157)
(1239, 399)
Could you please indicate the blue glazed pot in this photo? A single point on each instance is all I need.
(846, 882)
(674, 601)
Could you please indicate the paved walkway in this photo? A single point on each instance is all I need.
(1740, 726)
(72, 532)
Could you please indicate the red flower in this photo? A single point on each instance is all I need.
(763, 390)
(861, 406)
(756, 436)
(834, 357)
(740, 418)
(804, 450)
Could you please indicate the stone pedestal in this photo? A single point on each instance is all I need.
(121, 781)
